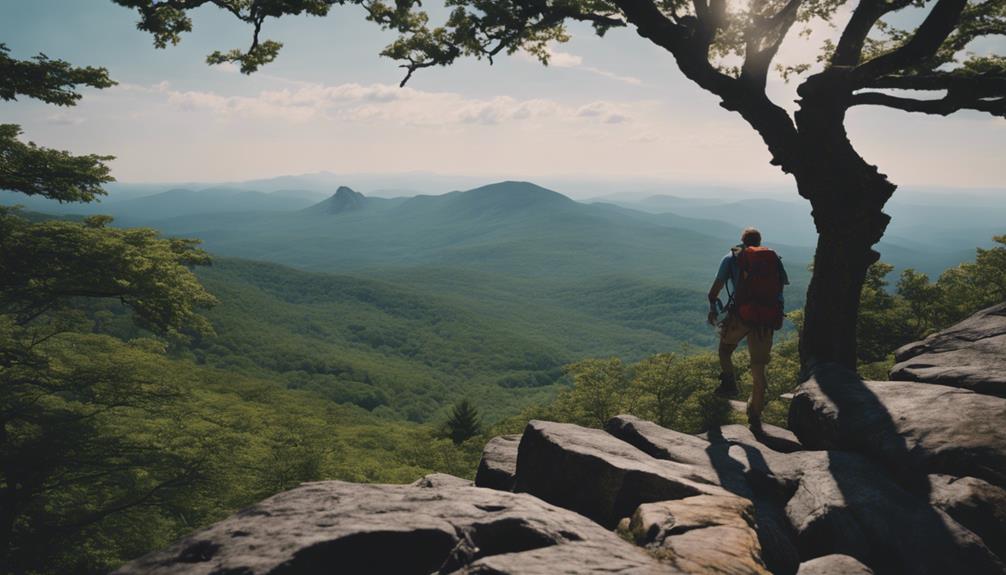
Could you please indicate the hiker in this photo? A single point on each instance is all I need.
(754, 278)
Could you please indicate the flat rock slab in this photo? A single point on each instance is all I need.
(970, 354)
(337, 527)
(499, 463)
(595, 474)
(771, 436)
(914, 430)
(834, 565)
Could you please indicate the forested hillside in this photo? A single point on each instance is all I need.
(495, 305)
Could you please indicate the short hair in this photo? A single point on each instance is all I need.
(751, 237)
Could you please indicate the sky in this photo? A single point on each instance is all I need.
(609, 109)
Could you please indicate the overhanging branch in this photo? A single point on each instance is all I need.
(942, 107)
(850, 45)
(930, 35)
(976, 85)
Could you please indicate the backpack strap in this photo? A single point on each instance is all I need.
(734, 251)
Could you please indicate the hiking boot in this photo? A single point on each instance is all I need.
(754, 421)
(728, 386)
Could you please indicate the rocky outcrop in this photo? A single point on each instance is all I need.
(970, 354)
(499, 463)
(889, 477)
(813, 503)
(595, 474)
(914, 430)
(337, 527)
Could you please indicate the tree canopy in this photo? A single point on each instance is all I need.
(87, 423)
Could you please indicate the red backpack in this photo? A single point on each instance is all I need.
(757, 298)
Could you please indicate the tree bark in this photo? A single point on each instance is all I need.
(832, 306)
(848, 196)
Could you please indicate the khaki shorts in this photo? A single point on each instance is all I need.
(733, 330)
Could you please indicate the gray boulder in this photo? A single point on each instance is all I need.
(333, 526)
(975, 504)
(914, 430)
(834, 565)
(970, 354)
(848, 505)
(811, 503)
(499, 463)
(595, 474)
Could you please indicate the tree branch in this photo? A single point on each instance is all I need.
(979, 85)
(757, 55)
(927, 40)
(690, 51)
(942, 107)
(850, 45)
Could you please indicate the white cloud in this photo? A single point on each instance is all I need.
(383, 102)
(564, 59)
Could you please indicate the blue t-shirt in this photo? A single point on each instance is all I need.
(730, 272)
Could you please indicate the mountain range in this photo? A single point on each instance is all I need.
(401, 304)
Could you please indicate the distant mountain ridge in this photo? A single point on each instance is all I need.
(929, 238)
(511, 228)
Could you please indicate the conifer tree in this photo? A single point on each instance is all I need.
(464, 422)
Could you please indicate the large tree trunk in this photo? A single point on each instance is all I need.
(844, 252)
(848, 196)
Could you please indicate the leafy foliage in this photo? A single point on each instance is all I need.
(54, 174)
(87, 424)
(51, 81)
(85, 259)
(116, 448)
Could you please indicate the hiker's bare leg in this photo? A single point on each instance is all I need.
(726, 357)
(757, 402)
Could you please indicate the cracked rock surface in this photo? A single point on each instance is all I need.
(338, 527)
(970, 354)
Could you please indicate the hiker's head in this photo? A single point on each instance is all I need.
(751, 237)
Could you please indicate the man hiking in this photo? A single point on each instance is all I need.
(754, 278)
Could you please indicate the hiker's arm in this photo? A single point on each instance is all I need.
(782, 274)
(714, 295)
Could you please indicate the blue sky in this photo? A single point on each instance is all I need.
(607, 108)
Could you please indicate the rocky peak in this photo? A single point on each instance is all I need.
(344, 199)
